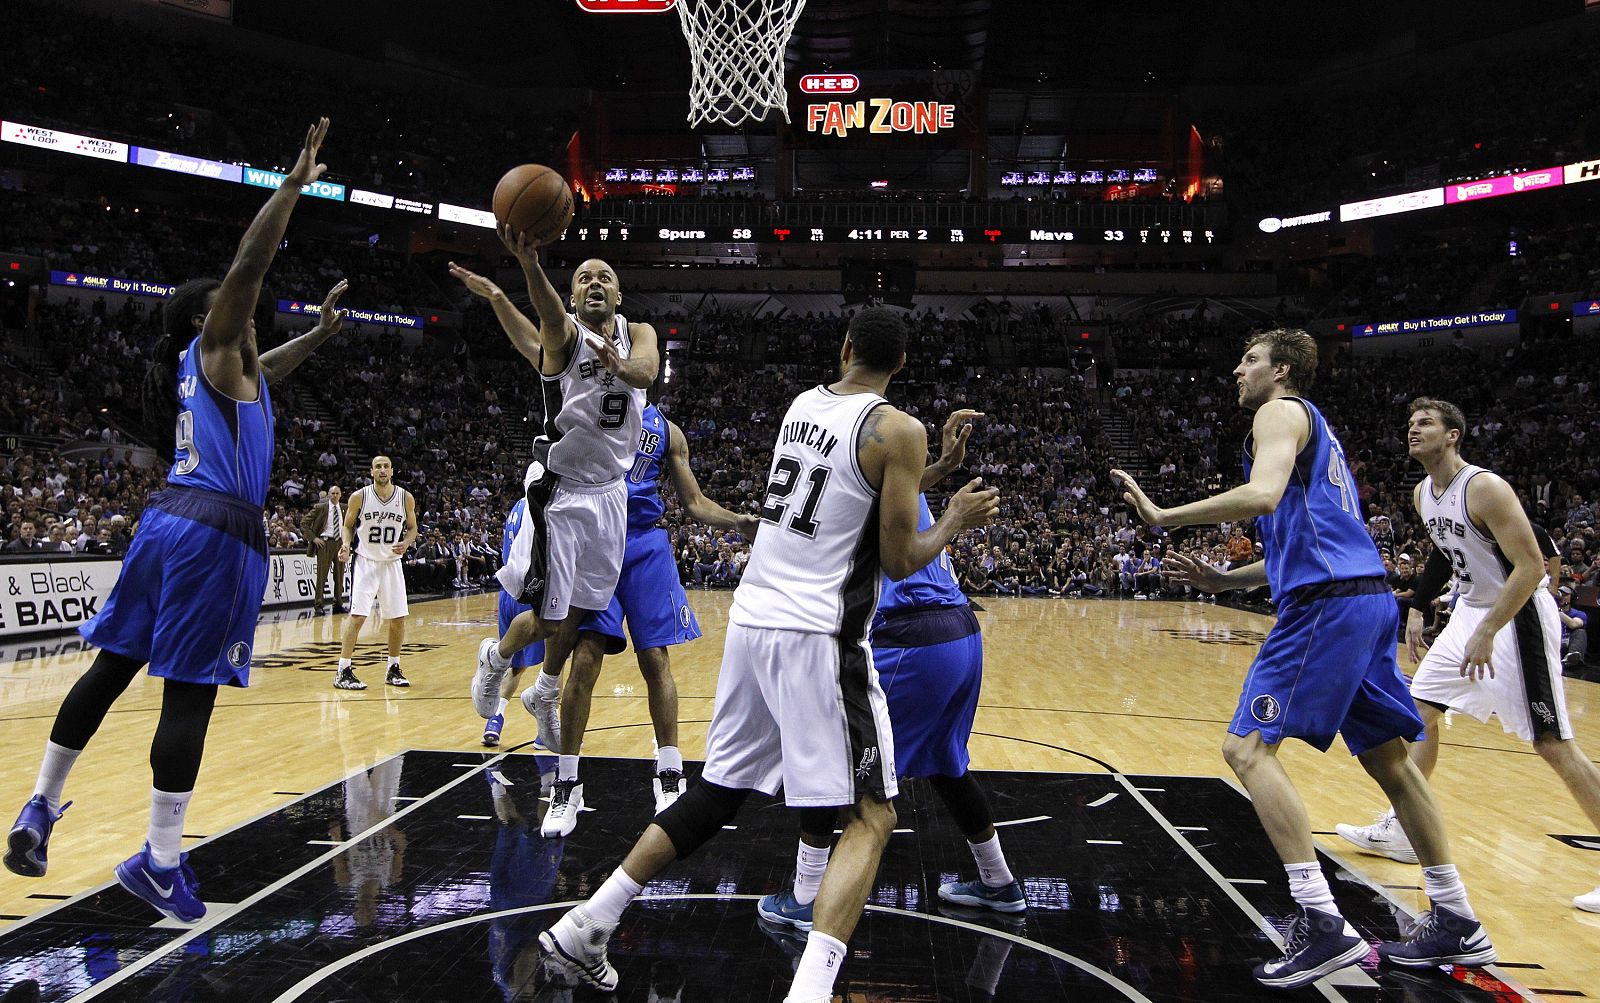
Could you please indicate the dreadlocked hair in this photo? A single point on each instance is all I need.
(158, 394)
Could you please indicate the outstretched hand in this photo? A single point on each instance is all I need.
(1135, 496)
(974, 505)
(953, 440)
(306, 169)
(475, 283)
(331, 318)
(1181, 569)
(524, 250)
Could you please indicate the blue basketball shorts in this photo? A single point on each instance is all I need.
(190, 590)
(650, 597)
(1328, 668)
(533, 654)
(932, 692)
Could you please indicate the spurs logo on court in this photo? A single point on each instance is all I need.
(1265, 708)
(1542, 709)
(869, 759)
(1230, 635)
(239, 655)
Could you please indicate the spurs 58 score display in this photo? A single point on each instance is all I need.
(601, 233)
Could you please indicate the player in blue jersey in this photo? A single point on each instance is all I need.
(1327, 667)
(929, 656)
(191, 584)
(651, 598)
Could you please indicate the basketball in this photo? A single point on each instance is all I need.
(535, 200)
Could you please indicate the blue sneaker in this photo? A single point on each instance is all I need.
(784, 910)
(171, 892)
(1445, 938)
(492, 729)
(1317, 943)
(29, 842)
(1006, 898)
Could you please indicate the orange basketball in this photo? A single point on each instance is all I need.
(534, 200)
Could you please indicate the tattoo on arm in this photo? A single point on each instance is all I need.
(870, 429)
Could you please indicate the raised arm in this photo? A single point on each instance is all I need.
(557, 330)
(952, 447)
(700, 508)
(893, 444)
(227, 341)
(283, 360)
(1279, 432)
(524, 334)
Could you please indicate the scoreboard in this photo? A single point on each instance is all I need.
(596, 232)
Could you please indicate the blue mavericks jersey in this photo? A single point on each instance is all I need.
(644, 494)
(224, 445)
(513, 526)
(931, 585)
(1316, 534)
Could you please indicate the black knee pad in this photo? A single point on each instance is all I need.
(819, 821)
(700, 814)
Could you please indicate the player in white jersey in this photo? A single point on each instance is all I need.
(382, 521)
(593, 367)
(1500, 654)
(799, 706)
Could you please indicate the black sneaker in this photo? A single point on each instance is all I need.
(346, 680)
(1316, 944)
(396, 677)
(1445, 938)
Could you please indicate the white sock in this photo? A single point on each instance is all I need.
(992, 869)
(1310, 888)
(606, 905)
(819, 967)
(53, 770)
(809, 865)
(567, 767)
(499, 707)
(166, 826)
(394, 663)
(1443, 887)
(547, 687)
(344, 663)
(669, 758)
(497, 658)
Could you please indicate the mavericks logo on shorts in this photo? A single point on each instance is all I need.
(1265, 708)
(239, 655)
(683, 616)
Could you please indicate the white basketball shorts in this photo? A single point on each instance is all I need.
(1526, 691)
(380, 584)
(803, 712)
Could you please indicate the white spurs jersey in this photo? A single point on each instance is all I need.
(1479, 565)
(814, 565)
(381, 524)
(592, 418)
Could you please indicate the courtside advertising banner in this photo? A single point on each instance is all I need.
(272, 179)
(63, 142)
(54, 596)
(181, 164)
(1478, 318)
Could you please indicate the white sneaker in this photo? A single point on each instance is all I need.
(575, 948)
(566, 801)
(1589, 902)
(1383, 838)
(486, 681)
(548, 714)
(668, 787)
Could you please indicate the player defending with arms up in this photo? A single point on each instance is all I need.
(191, 585)
(1327, 667)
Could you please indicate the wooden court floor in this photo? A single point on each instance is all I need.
(1070, 687)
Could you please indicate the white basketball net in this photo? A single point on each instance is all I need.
(736, 52)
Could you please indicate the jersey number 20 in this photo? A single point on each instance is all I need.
(787, 474)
